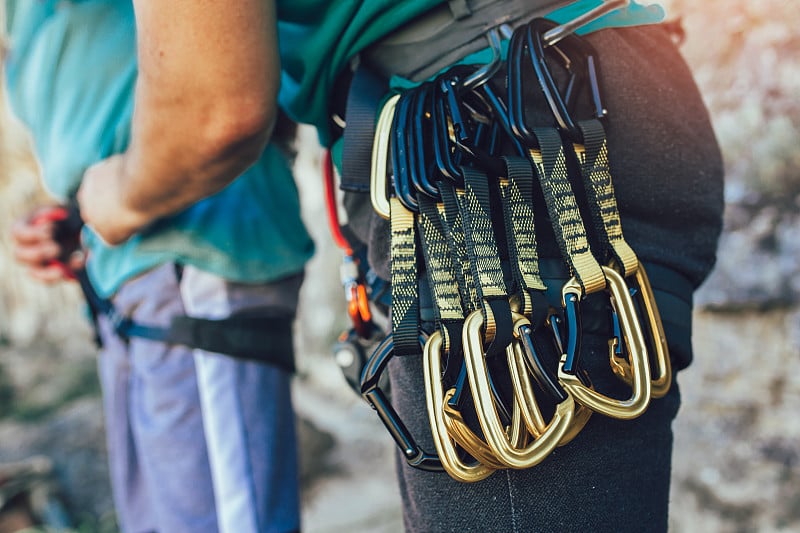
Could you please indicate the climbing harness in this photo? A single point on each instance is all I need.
(469, 180)
(258, 337)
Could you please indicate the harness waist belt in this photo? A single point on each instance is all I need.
(441, 37)
(262, 337)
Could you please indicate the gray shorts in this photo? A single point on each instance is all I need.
(198, 442)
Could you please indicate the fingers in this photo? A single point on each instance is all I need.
(52, 273)
(35, 247)
(25, 231)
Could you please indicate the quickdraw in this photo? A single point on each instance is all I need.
(456, 163)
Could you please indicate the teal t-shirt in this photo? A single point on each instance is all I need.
(319, 37)
(71, 74)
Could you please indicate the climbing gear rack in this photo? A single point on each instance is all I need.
(470, 181)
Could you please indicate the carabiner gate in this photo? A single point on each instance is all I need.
(637, 355)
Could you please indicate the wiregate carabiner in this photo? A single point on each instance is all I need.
(574, 50)
(371, 392)
(570, 378)
(459, 429)
(582, 413)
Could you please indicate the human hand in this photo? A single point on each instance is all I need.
(102, 202)
(39, 243)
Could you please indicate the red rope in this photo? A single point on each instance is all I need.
(330, 204)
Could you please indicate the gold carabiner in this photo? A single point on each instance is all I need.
(461, 433)
(637, 355)
(488, 418)
(661, 383)
(378, 186)
(445, 445)
(534, 421)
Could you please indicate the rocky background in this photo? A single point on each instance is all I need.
(737, 444)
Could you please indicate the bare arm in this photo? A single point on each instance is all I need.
(204, 108)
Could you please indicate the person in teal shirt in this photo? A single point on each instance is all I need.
(198, 441)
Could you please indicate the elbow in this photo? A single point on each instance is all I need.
(237, 133)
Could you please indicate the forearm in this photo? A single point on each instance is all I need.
(205, 101)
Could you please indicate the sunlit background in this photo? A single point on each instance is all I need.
(737, 444)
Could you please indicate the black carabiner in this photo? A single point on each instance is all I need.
(502, 119)
(375, 397)
(577, 53)
(444, 150)
(544, 377)
(401, 168)
(423, 161)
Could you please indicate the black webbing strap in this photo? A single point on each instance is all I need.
(367, 89)
(484, 258)
(403, 268)
(517, 194)
(565, 215)
(453, 226)
(442, 275)
(596, 173)
(261, 338)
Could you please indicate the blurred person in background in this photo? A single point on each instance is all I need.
(149, 139)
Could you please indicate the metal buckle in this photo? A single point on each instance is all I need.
(633, 338)
(371, 392)
(488, 418)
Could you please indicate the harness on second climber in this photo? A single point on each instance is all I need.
(468, 180)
